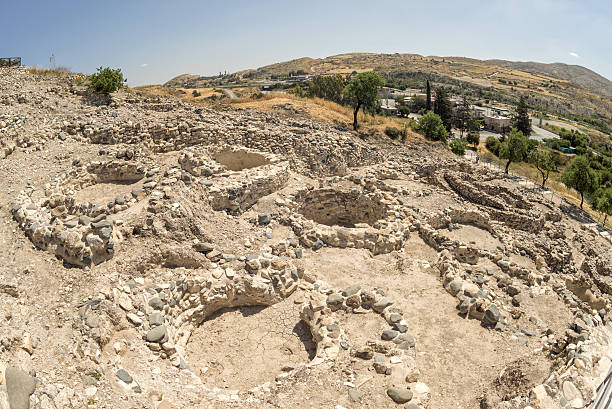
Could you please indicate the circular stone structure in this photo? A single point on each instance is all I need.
(333, 207)
(79, 232)
(340, 217)
(241, 159)
(273, 314)
(236, 178)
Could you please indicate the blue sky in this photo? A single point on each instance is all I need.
(153, 41)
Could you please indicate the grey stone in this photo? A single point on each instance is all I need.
(124, 376)
(318, 244)
(19, 387)
(352, 290)
(92, 321)
(382, 304)
(156, 334)
(492, 315)
(335, 300)
(355, 395)
(455, 286)
(156, 303)
(409, 339)
(264, 219)
(156, 318)
(399, 395)
(389, 334)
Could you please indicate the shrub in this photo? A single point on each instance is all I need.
(458, 146)
(392, 132)
(493, 144)
(195, 93)
(106, 80)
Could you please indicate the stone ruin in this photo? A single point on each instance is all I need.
(239, 209)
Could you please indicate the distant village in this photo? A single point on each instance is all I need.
(496, 116)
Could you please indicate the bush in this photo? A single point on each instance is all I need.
(106, 80)
(392, 132)
(458, 146)
(493, 144)
(195, 93)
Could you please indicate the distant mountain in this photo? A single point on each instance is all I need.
(576, 74)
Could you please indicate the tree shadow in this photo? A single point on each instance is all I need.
(575, 213)
(92, 98)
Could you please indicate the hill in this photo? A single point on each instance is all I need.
(555, 88)
(575, 74)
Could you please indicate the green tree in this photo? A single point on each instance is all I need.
(493, 144)
(545, 162)
(428, 100)
(443, 108)
(464, 116)
(579, 175)
(521, 120)
(602, 201)
(474, 139)
(362, 91)
(106, 80)
(327, 87)
(514, 148)
(431, 126)
(458, 146)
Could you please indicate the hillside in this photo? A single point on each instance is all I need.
(555, 88)
(575, 74)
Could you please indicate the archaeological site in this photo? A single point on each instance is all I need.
(161, 254)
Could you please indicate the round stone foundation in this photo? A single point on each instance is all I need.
(267, 340)
(238, 160)
(339, 208)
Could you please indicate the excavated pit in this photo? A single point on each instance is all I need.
(241, 160)
(338, 208)
(266, 340)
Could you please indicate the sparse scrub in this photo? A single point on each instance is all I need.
(392, 132)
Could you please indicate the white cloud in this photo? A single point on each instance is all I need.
(573, 54)
(144, 65)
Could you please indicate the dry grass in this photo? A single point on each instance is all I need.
(48, 72)
(324, 110)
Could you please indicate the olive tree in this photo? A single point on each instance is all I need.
(514, 148)
(545, 162)
(580, 176)
(362, 92)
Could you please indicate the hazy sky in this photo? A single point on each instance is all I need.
(155, 40)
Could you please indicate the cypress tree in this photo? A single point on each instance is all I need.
(428, 102)
(443, 108)
(521, 119)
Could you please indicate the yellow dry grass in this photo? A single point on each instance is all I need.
(324, 110)
(48, 72)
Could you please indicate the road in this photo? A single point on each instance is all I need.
(230, 94)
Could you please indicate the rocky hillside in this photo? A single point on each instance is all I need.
(163, 255)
